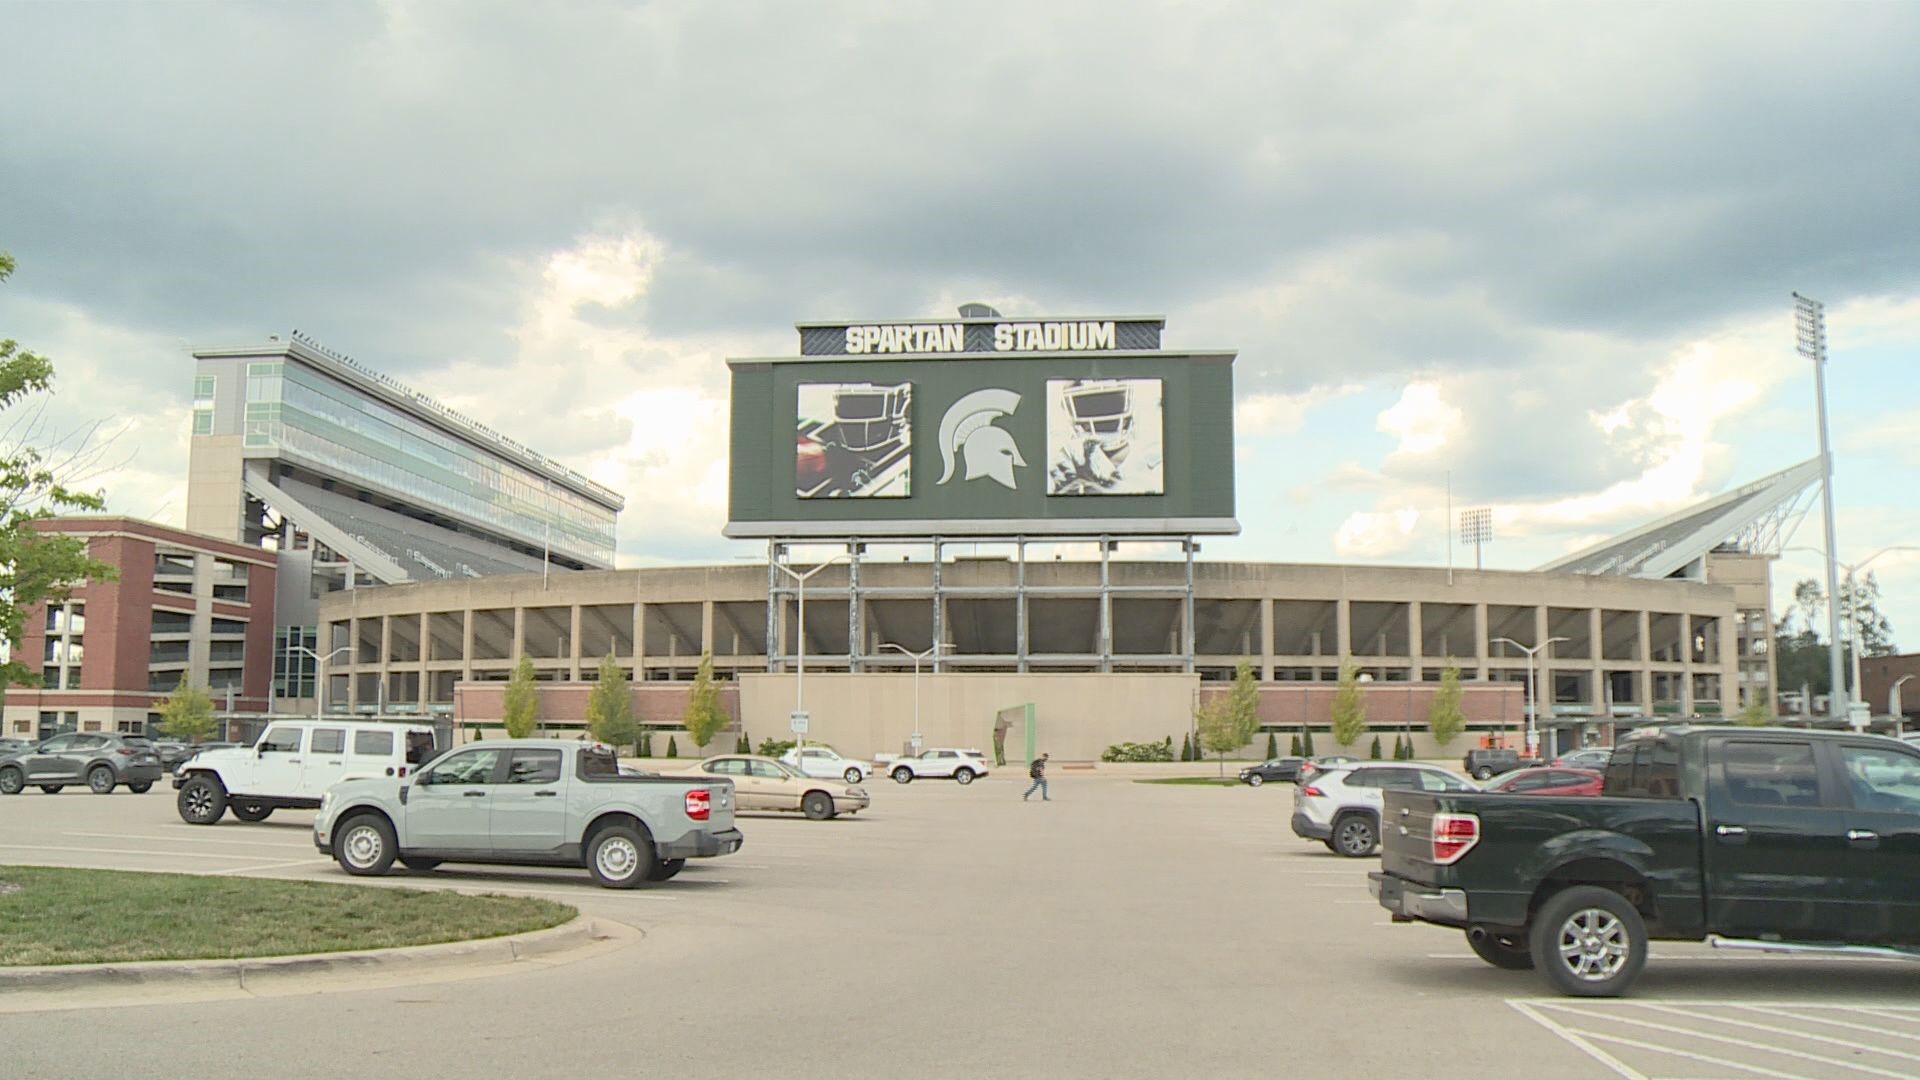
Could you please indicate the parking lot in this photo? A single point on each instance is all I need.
(1121, 930)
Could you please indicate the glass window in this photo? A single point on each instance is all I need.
(1663, 771)
(1529, 782)
(203, 421)
(471, 767)
(1433, 781)
(203, 387)
(88, 742)
(419, 747)
(595, 764)
(282, 740)
(728, 767)
(1883, 780)
(57, 744)
(373, 743)
(1770, 773)
(534, 767)
(328, 740)
(1363, 778)
(765, 770)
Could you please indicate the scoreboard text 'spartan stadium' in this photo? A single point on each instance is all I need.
(982, 426)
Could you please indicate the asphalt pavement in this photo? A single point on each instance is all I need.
(1122, 930)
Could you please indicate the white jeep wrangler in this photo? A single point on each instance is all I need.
(294, 764)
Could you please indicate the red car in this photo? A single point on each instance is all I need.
(1547, 781)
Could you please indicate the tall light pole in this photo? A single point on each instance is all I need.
(1810, 327)
(800, 634)
(1533, 702)
(917, 657)
(319, 681)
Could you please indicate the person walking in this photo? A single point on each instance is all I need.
(1038, 770)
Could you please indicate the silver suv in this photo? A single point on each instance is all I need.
(101, 760)
(1341, 807)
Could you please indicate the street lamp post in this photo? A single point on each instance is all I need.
(1854, 626)
(800, 633)
(917, 657)
(1533, 701)
(319, 681)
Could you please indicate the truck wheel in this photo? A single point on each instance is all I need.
(666, 868)
(251, 811)
(12, 781)
(903, 776)
(1588, 942)
(202, 800)
(620, 857)
(963, 776)
(1354, 836)
(100, 780)
(364, 845)
(1504, 952)
(851, 776)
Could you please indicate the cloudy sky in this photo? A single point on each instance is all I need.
(1543, 249)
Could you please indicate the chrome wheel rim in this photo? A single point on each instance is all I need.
(12, 782)
(199, 801)
(361, 846)
(616, 858)
(1255, 780)
(852, 776)
(1355, 837)
(1593, 944)
(100, 780)
(963, 776)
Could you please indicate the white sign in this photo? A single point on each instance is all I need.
(967, 430)
(1080, 336)
(1052, 336)
(907, 338)
(797, 722)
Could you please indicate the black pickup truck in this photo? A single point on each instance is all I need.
(1775, 839)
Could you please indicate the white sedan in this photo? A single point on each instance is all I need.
(824, 762)
(939, 763)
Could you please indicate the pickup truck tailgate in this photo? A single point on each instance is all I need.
(1406, 836)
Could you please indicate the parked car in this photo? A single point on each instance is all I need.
(1280, 768)
(528, 802)
(102, 760)
(1593, 757)
(824, 761)
(172, 753)
(1755, 838)
(1314, 765)
(938, 763)
(293, 765)
(1547, 781)
(1341, 806)
(1485, 763)
(761, 783)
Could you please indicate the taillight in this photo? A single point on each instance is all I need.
(403, 770)
(1453, 836)
(1312, 792)
(124, 752)
(699, 804)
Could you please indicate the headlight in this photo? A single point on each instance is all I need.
(326, 803)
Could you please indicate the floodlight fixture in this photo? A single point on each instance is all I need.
(1476, 529)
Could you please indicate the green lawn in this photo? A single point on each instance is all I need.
(1201, 780)
(61, 916)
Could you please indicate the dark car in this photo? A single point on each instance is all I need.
(101, 760)
(1547, 781)
(1280, 768)
(1593, 757)
(1754, 838)
(1486, 763)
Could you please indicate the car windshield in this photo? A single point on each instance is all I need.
(790, 770)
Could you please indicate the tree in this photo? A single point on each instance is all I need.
(1445, 721)
(1228, 722)
(1293, 748)
(1306, 741)
(1376, 748)
(673, 748)
(1186, 748)
(743, 745)
(187, 714)
(703, 717)
(1243, 702)
(1756, 714)
(1349, 708)
(1273, 746)
(610, 706)
(522, 708)
(35, 567)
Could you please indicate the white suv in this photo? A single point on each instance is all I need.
(825, 763)
(293, 765)
(1341, 807)
(941, 762)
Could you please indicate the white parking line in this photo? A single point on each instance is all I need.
(1789, 1014)
(68, 849)
(289, 842)
(1775, 1030)
(1692, 1026)
(1579, 1043)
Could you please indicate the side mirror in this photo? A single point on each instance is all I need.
(260, 750)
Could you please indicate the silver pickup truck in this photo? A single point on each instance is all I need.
(530, 802)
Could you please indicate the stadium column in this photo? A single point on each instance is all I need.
(1481, 646)
(706, 627)
(1343, 630)
(773, 607)
(1597, 651)
(855, 646)
(1019, 605)
(573, 641)
(1416, 647)
(1686, 663)
(1266, 638)
(1104, 646)
(939, 605)
(1643, 656)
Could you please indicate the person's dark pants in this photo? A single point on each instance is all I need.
(1040, 785)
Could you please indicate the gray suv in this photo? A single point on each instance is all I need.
(101, 760)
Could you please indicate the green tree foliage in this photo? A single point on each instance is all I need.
(673, 748)
(187, 714)
(1445, 720)
(773, 748)
(35, 567)
(610, 706)
(703, 717)
(1349, 708)
(1186, 748)
(1293, 748)
(743, 745)
(1273, 746)
(1375, 754)
(1227, 722)
(1243, 703)
(1799, 650)
(1756, 714)
(643, 745)
(522, 709)
(1306, 741)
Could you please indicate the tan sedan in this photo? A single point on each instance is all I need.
(761, 783)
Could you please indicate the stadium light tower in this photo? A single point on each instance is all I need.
(1476, 528)
(1810, 327)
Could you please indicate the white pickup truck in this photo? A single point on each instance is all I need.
(293, 764)
(529, 802)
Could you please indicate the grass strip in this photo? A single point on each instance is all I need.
(64, 916)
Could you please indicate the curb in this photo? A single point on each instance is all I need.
(250, 972)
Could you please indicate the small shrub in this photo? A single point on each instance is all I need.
(743, 745)
(1306, 742)
(1294, 747)
(1186, 749)
(673, 749)
(1376, 748)
(775, 747)
(1133, 751)
(644, 747)
(1273, 746)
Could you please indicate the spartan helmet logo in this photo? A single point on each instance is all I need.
(968, 430)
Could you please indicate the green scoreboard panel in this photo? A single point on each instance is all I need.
(982, 426)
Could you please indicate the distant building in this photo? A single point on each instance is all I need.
(1878, 677)
(356, 480)
(186, 608)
